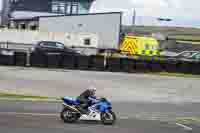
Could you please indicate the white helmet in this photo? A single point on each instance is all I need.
(92, 88)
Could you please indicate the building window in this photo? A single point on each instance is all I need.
(23, 26)
(58, 7)
(54, 7)
(68, 8)
(75, 7)
(33, 27)
(64, 7)
(87, 41)
(147, 46)
(83, 7)
(16, 26)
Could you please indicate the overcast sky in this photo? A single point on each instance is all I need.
(183, 12)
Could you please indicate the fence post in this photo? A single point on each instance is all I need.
(7, 45)
(105, 60)
(28, 55)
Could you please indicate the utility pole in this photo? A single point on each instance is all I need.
(5, 12)
(164, 19)
(134, 17)
(133, 20)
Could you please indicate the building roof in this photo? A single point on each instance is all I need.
(27, 15)
(30, 14)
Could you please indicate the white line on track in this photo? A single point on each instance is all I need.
(184, 126)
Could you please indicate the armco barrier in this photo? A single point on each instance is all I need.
(196, 67)
(171, 66)
(127, 65)
(69, 61)
(6, 59)
(83, 62)
(142, 65)
(20, 58)
(97, 63)
(184, 67)
(114, 64)
(38, 60)
(156, 65)
(54, 60)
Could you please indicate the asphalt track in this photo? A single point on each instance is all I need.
(42, 117)
(115, 86)
(140, 101)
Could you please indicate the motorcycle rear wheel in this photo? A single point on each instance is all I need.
(69, 116)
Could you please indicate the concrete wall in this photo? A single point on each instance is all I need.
(105, 25)
(32, 37)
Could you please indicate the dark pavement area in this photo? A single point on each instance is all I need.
(42, 117)
(42, 124)
(141, 110)
(143, 103)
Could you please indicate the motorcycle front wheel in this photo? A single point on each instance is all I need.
(108, 118)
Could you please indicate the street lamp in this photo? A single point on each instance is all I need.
(134, 17)
(164, 19)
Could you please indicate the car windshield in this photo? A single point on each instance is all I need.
(48, 44)
(59, 45)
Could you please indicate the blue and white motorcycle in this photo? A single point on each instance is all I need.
(100, 110)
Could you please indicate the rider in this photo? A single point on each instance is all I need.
(84, 99)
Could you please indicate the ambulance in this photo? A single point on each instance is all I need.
(136, 45)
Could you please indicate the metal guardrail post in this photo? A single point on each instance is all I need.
(7, 43)
(28, 55)
(105, 59)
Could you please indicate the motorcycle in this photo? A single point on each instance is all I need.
(100, 110)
